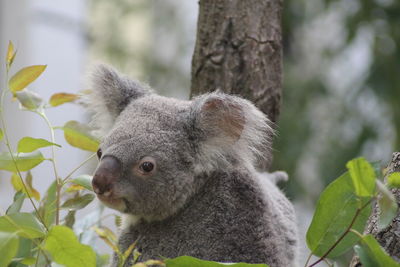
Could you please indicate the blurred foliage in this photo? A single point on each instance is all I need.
(341, 94)
(149, 40)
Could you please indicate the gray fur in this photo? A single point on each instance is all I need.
(205, 199)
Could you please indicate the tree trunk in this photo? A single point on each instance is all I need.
(238, 51)
(388, 238)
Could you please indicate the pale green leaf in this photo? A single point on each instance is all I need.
(69, 220)
(83, 180)
(49, 208)
(18, 200)
(394, 179)
(8, 247)
(65, 249)
(363, 177)
(10, 55)
(335, 210)
(78, 202)
(372, 255)
(1, 134)
(29, 144)
(29, 261)
(29, 100)
(185, 261)
(387, 206)
(61, 98)
(24, 161)
(24, 77)
(78, 135)
(23, 224)
(26, 250)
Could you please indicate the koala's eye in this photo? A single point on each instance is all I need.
(99, 153)
(147, 166)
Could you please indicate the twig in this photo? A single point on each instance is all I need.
(79, 166)
(7, 142)
(308, 259)
(53, 155)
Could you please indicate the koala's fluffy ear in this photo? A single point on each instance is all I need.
(110, 93)
(226, 129)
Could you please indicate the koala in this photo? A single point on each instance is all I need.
(182, 173)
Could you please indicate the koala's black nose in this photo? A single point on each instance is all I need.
(107, 173)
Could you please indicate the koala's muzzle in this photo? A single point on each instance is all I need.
(106, 175)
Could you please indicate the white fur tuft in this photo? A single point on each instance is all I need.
(252, 146)
(102, 121)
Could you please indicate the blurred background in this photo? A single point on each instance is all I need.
(341, 95)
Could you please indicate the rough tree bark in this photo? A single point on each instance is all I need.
(238, 51)
(389, 238)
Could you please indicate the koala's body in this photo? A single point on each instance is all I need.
(183, 175)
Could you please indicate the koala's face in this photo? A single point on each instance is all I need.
(157, 149)
(146, 163)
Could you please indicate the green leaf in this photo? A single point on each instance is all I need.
(24, 161)
(372, 255)
(78, 135)
(61, 98)
(79, 202)
(26, 250)
(29, 261)
(8, 248)
(69, 220)
(387, 206)
(23, 224)
(394, 179)
(29, 144)
(65, 248)
(18, 200)
(185, 261)
(1, 134)
(24, 77)
(335, 210)
(29, 100)
(363, 177)
(84, 180)
(48, 210)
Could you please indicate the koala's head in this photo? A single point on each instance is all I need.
(156, 151)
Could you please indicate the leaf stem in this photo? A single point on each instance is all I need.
(357, 233)
(328, 263)
(40, 250)
(7, 142)
(53, 155)
(344, 234)
(79, 166)
(308, 259)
